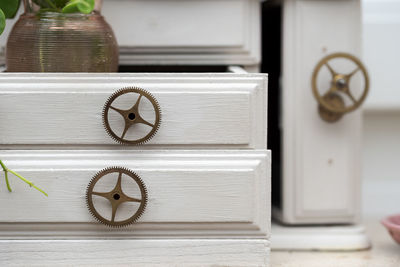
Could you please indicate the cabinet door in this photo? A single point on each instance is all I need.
(321, 162)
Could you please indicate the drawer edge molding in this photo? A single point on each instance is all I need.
(174, 252)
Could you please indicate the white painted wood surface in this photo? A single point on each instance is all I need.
(218, 192)
(144, 253)
(195, 32)
(319, 238)
(321, 162)
(201, 110)
(384, 252)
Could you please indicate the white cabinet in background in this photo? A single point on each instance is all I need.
(321, 161)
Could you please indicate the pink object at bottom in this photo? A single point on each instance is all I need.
(392, 223)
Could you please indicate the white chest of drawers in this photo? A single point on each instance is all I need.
(207, 171)
(223, 112)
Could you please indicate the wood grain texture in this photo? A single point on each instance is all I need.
(209, 192)
(321, 161)
(197, 110)
(144, 253)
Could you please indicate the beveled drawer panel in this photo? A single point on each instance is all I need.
(189, 193)
(191, 32)
(197, 109)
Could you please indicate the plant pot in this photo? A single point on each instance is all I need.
(56, 42)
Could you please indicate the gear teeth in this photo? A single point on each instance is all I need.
(139, 91)
(133, 175)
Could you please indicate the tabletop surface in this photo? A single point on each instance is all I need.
(384, 253)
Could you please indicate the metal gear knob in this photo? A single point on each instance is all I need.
(116, 197)
(339, 99)
(133, 116)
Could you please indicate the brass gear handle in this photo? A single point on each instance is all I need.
(116, 196)
(332, 103)
(132, 115)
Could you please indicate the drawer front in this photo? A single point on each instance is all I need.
(186, 32)
(189, 193)
(201, 110)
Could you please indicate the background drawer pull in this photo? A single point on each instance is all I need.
(332, 103)
(141, 115)
(134, 192)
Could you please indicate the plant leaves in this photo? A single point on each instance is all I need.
(82, 6)
(9, 7)
(2, 21)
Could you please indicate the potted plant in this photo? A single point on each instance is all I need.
(59, 36)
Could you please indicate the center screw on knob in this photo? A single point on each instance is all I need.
(132, 116)
(340, 82)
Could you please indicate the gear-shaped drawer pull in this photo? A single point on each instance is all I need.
(140, 120)
(339, 99)
(135, 192)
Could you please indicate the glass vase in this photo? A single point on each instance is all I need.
(47, 41)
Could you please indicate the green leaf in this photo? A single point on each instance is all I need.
(2, 21)
(9, 7)
(82, 6)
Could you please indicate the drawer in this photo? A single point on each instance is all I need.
(190, 193)
(171, 32)
(197, 110)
